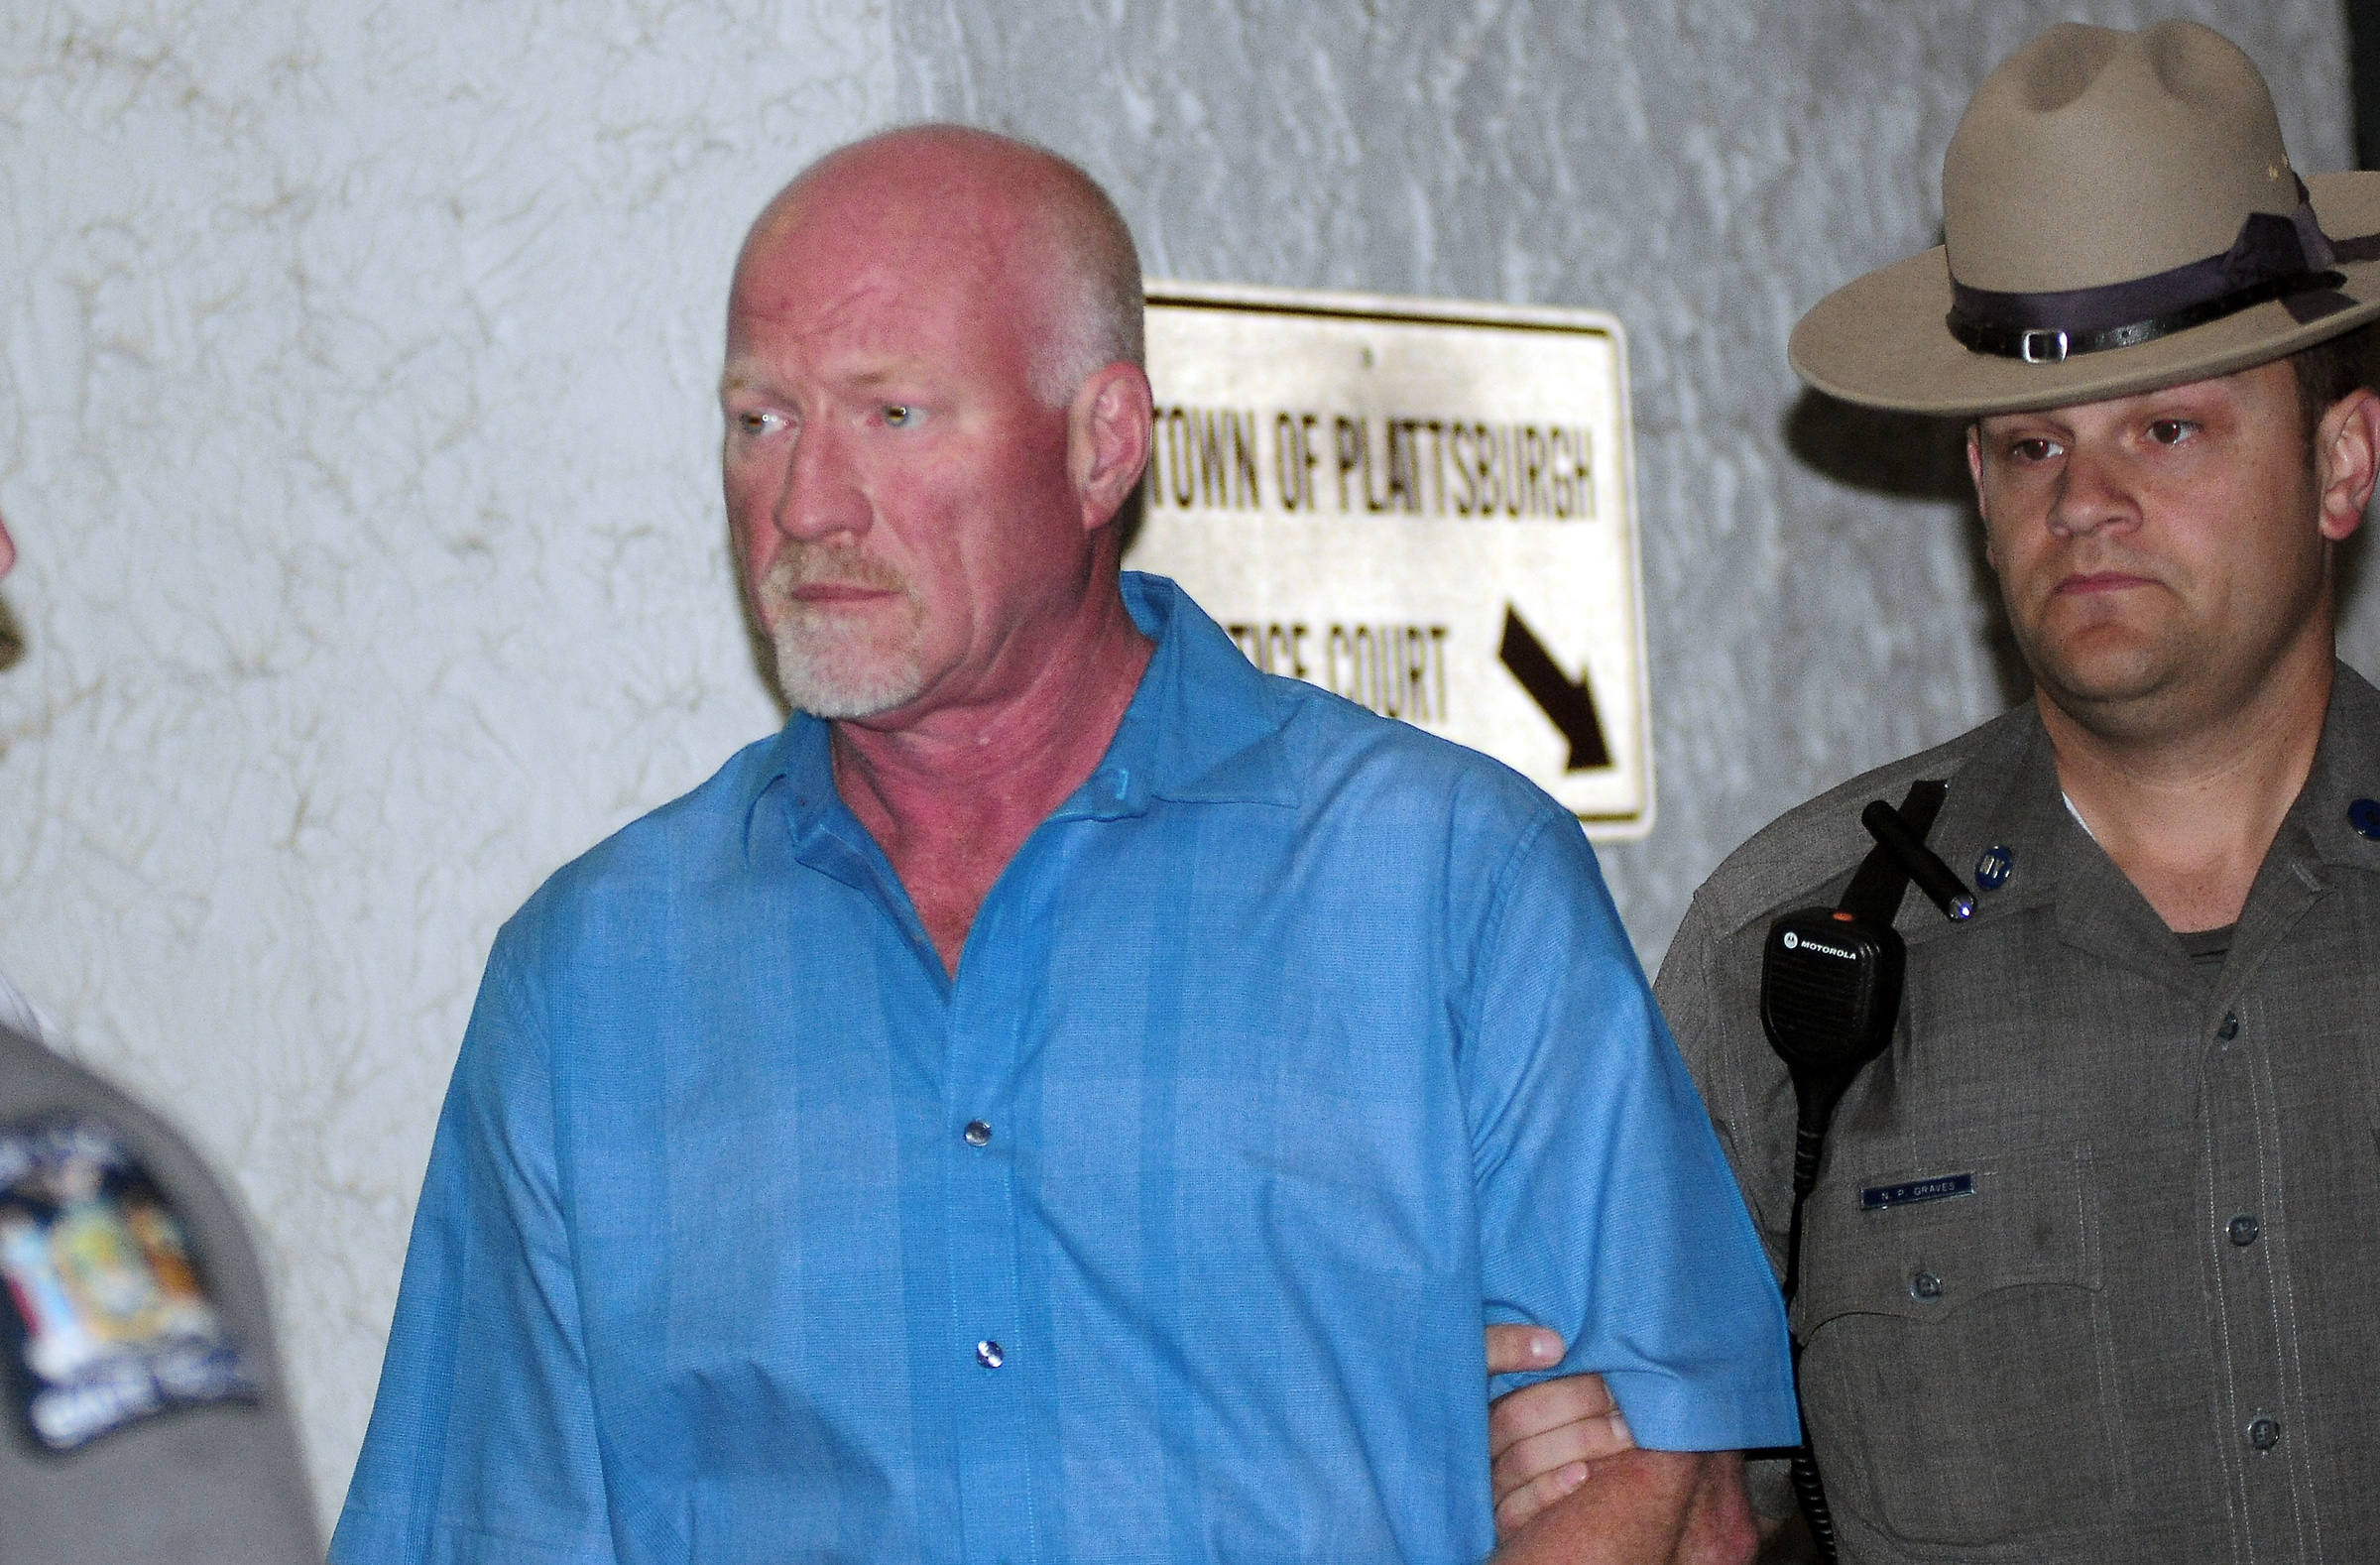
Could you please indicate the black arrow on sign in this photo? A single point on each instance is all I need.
(1571, 706)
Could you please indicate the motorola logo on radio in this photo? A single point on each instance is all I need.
(1794, 942)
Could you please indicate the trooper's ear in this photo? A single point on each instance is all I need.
(1108, 437)
(2346, 447)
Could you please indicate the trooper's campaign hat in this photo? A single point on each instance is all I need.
(2119, 215)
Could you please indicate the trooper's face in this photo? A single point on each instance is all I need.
(2162, 553)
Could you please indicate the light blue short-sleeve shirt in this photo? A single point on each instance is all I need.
(1294, 1048)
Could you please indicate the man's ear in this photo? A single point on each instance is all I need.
(1107, 436)
(1974, 473)
(2346, 445)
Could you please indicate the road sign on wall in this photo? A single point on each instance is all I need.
(1422, 505)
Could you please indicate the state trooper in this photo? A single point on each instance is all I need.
(147, 1421)
(2088, 1267)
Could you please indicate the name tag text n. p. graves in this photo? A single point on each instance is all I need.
(1941, 1187)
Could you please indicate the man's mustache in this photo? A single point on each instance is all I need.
(799, 567)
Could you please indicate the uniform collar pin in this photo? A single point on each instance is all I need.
(1993, 868)
(2365, 816)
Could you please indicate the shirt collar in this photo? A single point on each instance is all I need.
(2026, 813)
(1997, 800)
(2101, 911)
(808, 821)
(2346, 769)
(2318, 839)
(1203, 727)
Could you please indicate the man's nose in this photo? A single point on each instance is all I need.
(822, 498)
(2094, 492)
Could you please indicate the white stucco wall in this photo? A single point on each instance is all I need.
(355, 421)
(356, 424)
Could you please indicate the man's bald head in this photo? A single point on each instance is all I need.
(1047, 231)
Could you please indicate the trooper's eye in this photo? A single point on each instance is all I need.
(2034, 448)
(900, 415)
(2169, 431)
(759, 422)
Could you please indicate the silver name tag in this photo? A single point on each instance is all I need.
(1941, 1187)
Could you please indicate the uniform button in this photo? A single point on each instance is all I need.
(2264, 1434)
(987, 1354)
(2365, 816)
(2230, 1028)
(977, 1134)
(1925, 1286)
(2242, 1229)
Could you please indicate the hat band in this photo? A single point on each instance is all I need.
(2274, 258)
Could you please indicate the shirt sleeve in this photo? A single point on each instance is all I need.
(1698, 1007)
(1709, 990)
(481, 1445)
(1607, 1211)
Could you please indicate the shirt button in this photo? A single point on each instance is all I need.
(987, 1354)
(2264, 1434)
(1925, 1286)
(2242, 1229)
(2230, 1029)
(977, 1134)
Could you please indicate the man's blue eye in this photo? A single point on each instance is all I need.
(900, 415)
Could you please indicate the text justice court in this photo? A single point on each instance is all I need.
(1397, 670)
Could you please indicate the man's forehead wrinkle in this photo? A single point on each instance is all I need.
(871, 284)
(865, 339)
(813, 305)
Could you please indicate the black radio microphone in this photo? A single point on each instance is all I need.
(1829, 998)
(1830, 977)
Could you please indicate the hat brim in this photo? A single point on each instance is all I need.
(1883, 340)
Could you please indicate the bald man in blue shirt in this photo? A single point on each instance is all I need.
(1070, 1096)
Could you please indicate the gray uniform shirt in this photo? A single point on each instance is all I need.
(2139, 1318)
(218, 1484)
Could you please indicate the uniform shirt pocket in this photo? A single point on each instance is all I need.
(1958, 1363)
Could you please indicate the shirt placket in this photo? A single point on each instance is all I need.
(2253, 1401)
(994, 1361)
